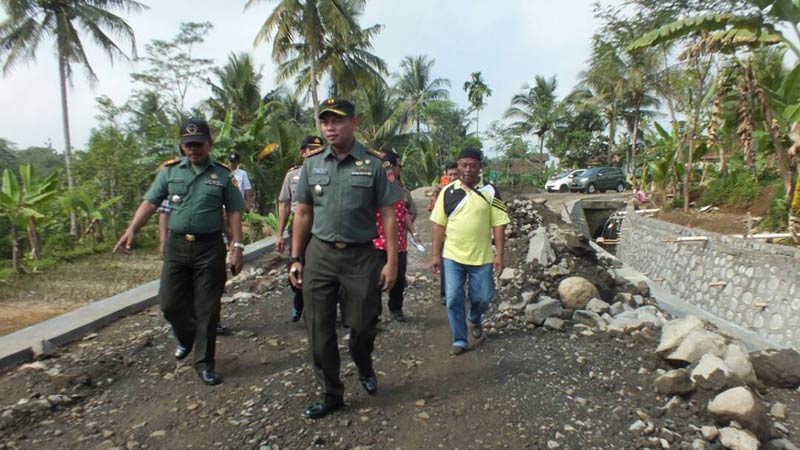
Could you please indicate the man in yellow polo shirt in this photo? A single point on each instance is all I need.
(471, 213)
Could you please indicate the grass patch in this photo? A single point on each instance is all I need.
(738, 189)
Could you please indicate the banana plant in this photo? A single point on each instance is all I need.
(21, 203)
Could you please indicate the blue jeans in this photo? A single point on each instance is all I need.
(481, 291)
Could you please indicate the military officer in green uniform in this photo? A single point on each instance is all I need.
(193, 273)
(341, 187)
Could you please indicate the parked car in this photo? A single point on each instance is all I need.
(562, 181)
(600, 179)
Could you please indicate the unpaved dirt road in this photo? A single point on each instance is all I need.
(523, 389)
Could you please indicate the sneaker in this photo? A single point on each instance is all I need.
(477, 330)
(221, 330)
(296, 315)
(457, 350)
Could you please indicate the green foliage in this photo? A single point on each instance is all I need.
(735, 189)
(777, 218)
(44, 160)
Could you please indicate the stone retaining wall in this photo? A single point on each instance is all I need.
(762, 288)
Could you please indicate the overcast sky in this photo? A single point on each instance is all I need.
(509, 41)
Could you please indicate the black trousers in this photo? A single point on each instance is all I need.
(395, 302)
(353, 273)
(192, 282)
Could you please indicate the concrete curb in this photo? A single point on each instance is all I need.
(679, 308)
(46, 336)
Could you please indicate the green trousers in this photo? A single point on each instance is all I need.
(356, 271)
(192, 282)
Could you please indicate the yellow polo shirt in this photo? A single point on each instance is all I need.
(469, 219)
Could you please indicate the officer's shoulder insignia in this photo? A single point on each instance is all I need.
(315, 152)
(171, 162)
(376, 153)
(386, 164)
(222, 164)
(294, 168)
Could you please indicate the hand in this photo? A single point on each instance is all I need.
(124, 243)
(296, 274)
(498, 265)
(388, 277)
(279, 244)
(236, 261)
(436, 265)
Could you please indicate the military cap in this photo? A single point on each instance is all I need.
(338, 106)
(234, 157)
(311, 142)
(194, 130)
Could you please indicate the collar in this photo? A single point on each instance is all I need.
(185, 163)
(356, 151)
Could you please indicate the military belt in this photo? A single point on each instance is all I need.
(192, 237)
(344, 245)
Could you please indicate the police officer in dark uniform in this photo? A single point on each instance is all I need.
(341, 187)
(193, 273)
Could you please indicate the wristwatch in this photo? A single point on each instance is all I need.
(295, 259)
(238, 245)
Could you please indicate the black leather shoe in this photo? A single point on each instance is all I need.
(181, 352)
(321, 409)
(370, 384)
(210, 377)
(398, 316)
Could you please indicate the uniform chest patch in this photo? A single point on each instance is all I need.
(320, 171)
(361, 172)
(214, 183)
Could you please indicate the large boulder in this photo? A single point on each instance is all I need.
(741, 405)
(674, 382)
(588, 318)
(539, 249)
(777, 368)
(575, 292)
(736, 439)
(567, 238)
(711, 373)
(538, 312)
(738, 361)
(696, 344)
(598, 306)
(673, 332)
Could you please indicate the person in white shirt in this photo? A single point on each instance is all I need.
(242, 180)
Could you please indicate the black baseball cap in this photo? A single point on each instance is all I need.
(194, 130)
(233, 157)
(311, 142)
(338, 106)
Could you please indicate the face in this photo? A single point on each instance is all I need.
(470, 170)
(234, 164)
(196, 152)
(338, 130)
(451, 174)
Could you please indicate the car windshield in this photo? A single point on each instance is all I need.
(561, 175)
(590, 172)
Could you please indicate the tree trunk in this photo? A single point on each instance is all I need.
(62, 73)
(15, 265)
(33, 238)
(478, 123)
(314, 98)
(541, 153)
(635, 139)
(784, 163)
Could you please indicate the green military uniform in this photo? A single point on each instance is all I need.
(193, 274)
(345, 195)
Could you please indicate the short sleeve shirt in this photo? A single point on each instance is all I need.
(469, 216)
(289, 187)
(400, 214)
(242, 180)
(196, 198)
(345, 194)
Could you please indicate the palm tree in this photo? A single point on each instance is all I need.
(381, 116)
(306, 22)
(30, 21)
(476, 89)
(417, 88)
(536, 109)
(236, 88)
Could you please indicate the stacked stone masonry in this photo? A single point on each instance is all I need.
(761, 290)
